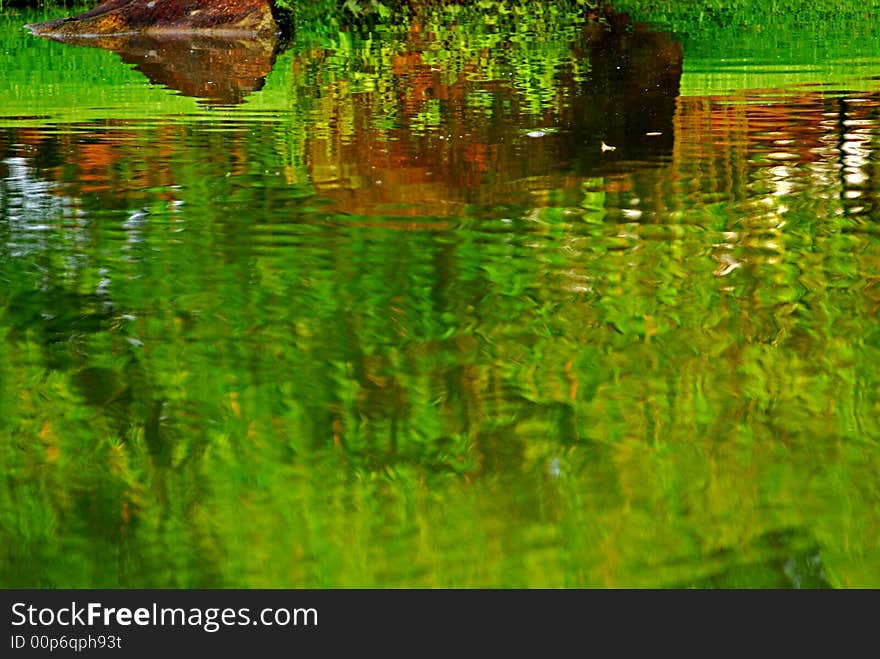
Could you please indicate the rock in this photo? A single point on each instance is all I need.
(230, 18)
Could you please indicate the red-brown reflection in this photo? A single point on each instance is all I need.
(215, 69)
(461, 140)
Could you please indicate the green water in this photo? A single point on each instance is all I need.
(395, 317)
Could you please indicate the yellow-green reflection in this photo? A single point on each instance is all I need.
(398, 319)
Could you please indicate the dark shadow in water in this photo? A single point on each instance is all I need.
(786, 558)
(611, 110)
(214, 69)
(629, 97)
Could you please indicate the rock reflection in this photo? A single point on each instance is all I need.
(432, 137)
(214, 69)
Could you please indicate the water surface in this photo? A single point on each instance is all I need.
(529, 302)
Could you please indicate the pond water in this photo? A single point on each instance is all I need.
(467, 300)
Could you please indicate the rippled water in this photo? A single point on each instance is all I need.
(533, 304)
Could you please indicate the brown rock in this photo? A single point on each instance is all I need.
(231, 18)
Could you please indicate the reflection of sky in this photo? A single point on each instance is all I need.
(31, 207)
(856, 149)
